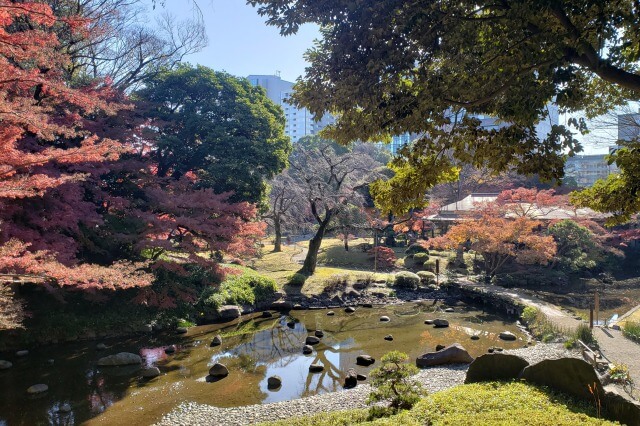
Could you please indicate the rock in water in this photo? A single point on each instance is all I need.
(494, 367)
(274, 382)
(39, 388)
(229, 312)
(122, 358)
(475, 337)
(440, 323)
(217, 341)
(170, 349)
(351, 380)
(453, 354)
(388, 337)
(349, 309)
(507, 335)
(64, 408)
(569, 375)
(319, 333)
(281, 305)
(440, 347)
(307, 349)
(23, 352)
(331, 313)
(218, 370)
(5, 364)
(428, 322)
(181, 330)
(291, 324)
(365, 360)
(361, 377)
(385, 318)
(312, 340)
(315, 368)
(449, 310)
(101, 346)
(267, 314)
(150, 372)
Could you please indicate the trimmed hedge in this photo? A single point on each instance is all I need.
(406, 279)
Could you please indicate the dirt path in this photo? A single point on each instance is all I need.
(613, 345)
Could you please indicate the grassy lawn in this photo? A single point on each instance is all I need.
(334, 261)
(473, 404)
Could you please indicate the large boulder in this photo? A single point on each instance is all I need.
(490, 367)
(440, 323)
(122, 358)
(365, 360)
(229, 312)
(453, 354)
(219, 370)
(621, 409)
(569, 375)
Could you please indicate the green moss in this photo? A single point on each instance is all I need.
(474, 404)
(246, 288)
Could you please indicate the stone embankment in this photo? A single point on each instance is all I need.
(433, 380)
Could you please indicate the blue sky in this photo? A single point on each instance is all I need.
(241, 43)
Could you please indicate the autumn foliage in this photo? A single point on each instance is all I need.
(500, 240)
(81, 203)
(384, 257)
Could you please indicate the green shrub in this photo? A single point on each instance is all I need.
(631, 330)
(420, 258)
(426, 277)
(297, 279)
(540, 326)
(416, 248)
(248, 288)
(392, 383)
(529, 315)
(406, 279)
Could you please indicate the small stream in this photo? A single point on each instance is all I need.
(253, 349)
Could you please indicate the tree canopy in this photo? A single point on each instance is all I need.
(218, 126)
(433, 67)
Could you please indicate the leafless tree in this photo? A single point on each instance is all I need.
(329, 176)
(122, 44)
(286, 202)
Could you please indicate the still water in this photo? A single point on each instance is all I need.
(253, 349)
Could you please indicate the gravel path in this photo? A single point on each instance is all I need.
(433, 379)
(617, 348)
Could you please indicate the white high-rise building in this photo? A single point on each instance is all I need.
(299, 122)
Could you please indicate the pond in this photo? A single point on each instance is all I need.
(253, 349)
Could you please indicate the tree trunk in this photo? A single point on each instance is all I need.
(346, 243)
(309, 266)
(277, 245)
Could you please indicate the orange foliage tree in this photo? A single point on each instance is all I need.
(500, 240)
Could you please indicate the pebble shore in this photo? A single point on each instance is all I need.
(433, 380)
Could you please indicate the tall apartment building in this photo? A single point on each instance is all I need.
(587, 169)
(543, 128)
(299, 122)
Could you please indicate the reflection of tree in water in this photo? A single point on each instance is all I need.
(57, 418)
(99, 398)
(330, 370)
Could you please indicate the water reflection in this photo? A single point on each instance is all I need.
(253, 350)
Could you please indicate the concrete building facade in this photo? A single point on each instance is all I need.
(299, 122)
